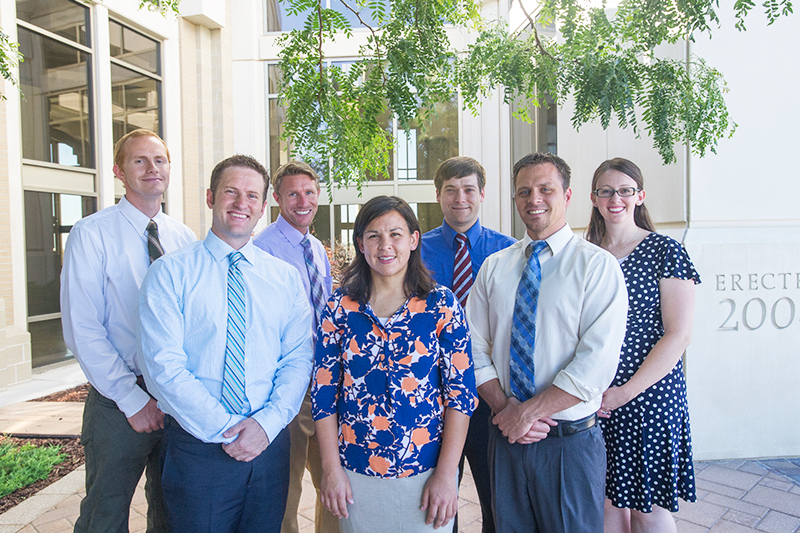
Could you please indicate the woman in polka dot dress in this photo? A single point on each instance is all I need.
(645, 418)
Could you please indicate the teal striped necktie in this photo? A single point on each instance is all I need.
(233, 396)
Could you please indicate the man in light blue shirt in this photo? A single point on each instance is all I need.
(460, 191)
(228, 366)
(295, 186)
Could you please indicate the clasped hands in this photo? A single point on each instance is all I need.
(518, 425)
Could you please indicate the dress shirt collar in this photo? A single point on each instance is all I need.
(220, 249)
(555, 242)
(473, 234)
(290, 232)
(137, 219)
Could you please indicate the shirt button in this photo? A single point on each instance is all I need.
(247, 360)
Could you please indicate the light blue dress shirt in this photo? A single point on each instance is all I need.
(183, 307)
(282, 240)
(105, 262)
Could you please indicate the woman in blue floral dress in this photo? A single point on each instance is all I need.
(645, 417)
(393, 383)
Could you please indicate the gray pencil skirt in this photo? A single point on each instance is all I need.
(388, 505)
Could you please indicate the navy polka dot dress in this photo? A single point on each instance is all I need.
(648, 440)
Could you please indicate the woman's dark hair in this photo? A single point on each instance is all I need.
(597, 226)
(357, 277)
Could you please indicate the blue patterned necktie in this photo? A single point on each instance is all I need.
(233, 396)
(523, 326)
(314, 278)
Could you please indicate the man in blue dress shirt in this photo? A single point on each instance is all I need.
(295, 186)
(228, 366)
(107, 256)
(454, 252)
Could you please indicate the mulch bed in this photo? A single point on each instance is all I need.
(77, 394)
(71, 447)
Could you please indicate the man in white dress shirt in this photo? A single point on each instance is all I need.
(544, 351)
(106, 257)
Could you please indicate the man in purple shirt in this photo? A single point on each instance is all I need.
(454, 252)
(295, 187)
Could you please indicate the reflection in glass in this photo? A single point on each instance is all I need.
(429, 215)
(434, 144)
(278, 19)
(344, 217)
(134, 48)
(279, 149)
(274, 76)
(56, 114)
(386, 123)
(48, 219)
(63, 17)
(135, 101)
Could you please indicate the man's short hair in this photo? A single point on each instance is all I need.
(238, 160)
(119, 148)
(292, 168)
(541, 158)
(459, 167)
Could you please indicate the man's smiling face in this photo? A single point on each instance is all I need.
(237, 205)
(298, 200)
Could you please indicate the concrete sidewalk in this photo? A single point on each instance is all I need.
(733, 496)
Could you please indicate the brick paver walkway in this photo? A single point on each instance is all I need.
(733, 497)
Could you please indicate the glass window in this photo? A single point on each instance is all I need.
(279, 19)
(430, 216)
(134, 48)
(48, 219)
(344, 217)
(421, 151)
(56, 110)
(135, 100)
(321, 228)
(63, 17)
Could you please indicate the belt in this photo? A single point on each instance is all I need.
(567, 428)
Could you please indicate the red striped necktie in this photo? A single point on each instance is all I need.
(462, 270)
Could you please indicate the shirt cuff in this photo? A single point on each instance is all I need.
(484, 374)
(270, 422)
(575, 387)
(133, 402)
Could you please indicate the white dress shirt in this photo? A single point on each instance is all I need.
(183, 308)
(580, 319)
(105, 262)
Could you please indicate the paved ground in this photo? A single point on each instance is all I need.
(733, 496)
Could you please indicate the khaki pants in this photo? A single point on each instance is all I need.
(305, 454)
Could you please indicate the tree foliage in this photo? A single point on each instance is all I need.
(10, 56)
(607, 59)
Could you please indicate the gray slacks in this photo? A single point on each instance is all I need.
(556, 485)
(116, 456)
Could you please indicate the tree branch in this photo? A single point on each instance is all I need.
(535, 32)
(378, 54)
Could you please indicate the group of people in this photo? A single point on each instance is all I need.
(227, 367)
